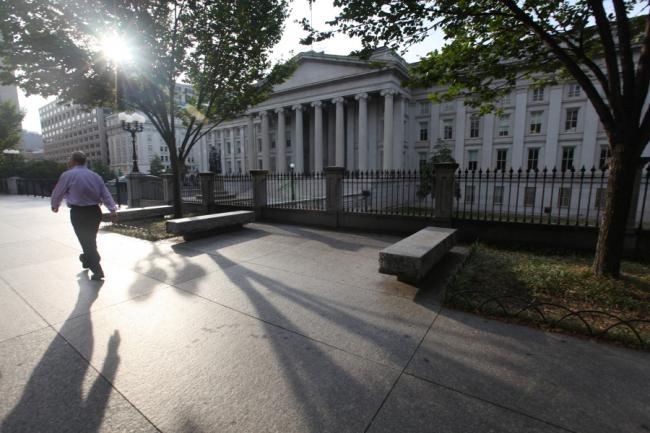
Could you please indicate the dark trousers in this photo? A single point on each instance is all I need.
(85, 221)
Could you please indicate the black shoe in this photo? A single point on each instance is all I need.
(97, 277)
(83, 262)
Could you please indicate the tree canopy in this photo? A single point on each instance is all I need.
(10, 125)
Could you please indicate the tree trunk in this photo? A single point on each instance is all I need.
(178, 199)
(620, 185)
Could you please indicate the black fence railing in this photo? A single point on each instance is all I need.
(405, 193)
(191, 191)
(296, 190)
(4, 186)
(35, 187)
(234, 190)
(569, 197)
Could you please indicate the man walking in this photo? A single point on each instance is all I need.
(84, 191)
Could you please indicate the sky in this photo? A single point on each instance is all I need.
(286, 48)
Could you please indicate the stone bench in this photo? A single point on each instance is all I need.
(138, 213)
(203, 225)
(411, 258)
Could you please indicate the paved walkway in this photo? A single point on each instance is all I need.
(275, 329)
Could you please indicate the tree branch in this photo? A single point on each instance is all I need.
(643, 68)
(627, 59)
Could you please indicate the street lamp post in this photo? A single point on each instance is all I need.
(293, 191)
(133, 127)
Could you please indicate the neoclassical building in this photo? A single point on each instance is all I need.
(345, 111)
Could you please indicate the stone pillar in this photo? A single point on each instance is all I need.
(318, 135)
(168, 187)
(134, 189)
(242, 148)
(554, 117)
(339, 136)
(207, 190)
(232, 150)
(298, 149)
(251, 152)
(259, 190)
(388, 128)
(281, 140)
(334, 189)
(266, 141)
(445, 190)
(519, 129)
(222, 160)
(363, 130)
(12, 185)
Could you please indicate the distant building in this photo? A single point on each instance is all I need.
(31, 141)
(68, 127)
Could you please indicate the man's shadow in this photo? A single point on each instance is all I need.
(58, 398)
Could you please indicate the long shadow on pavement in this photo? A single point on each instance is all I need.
(53, 399)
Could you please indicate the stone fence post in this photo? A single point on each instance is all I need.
(134, 183)
(334, 189)
(12, 185)
(168, 187)
(207, 190)
(445, 190)
(259, 190)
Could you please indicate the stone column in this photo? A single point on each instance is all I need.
(12, 185)
(232, 150)
(363, 130)
(266, 141)
(222, 160)
(207, 190)
(134, 189)
(553, 126)
(281, 140)
(251, 152)
(298, 148)
(242, 148)
(168, 187)
(259, 190)
(388, 95)
(318, 135)
(445, 191)
(339, 136)
(334, 189)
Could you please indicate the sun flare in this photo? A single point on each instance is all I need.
(115, 48)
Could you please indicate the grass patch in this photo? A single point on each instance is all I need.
(544, 288)
(151, 229)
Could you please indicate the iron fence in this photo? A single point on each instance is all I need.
(152, 191)
(234, 190)
(405, 193)
(296, 190)
(35, 187)
(569, 197)
(191, 191)
(4, 186)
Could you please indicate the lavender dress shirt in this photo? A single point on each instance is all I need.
(82, 187)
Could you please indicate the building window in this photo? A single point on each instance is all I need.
(603, 159)
(538, 94)
(424, 131)
(288, 142)
(228, 147)
(564, 197)
(535, 126)
(422, 156)
(259, 164)
(533, 158)
(599, 202)
(498, 195)
(571, 122)
(474, 127)
(567, 158)
(447, 129)
(529, 196)
(472, 160)
(574, 90)
(502, 159)
(506, 100)
(504, 125)
(424, 107)
(469, 194)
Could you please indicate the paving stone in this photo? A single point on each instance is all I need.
(46, 387)
(16, 317)
(416, 406)
(373, 325)
(28, 252)
(582, 385)
(191, 365)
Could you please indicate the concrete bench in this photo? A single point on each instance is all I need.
(198, 226)
(138, 213)
(412, 257)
